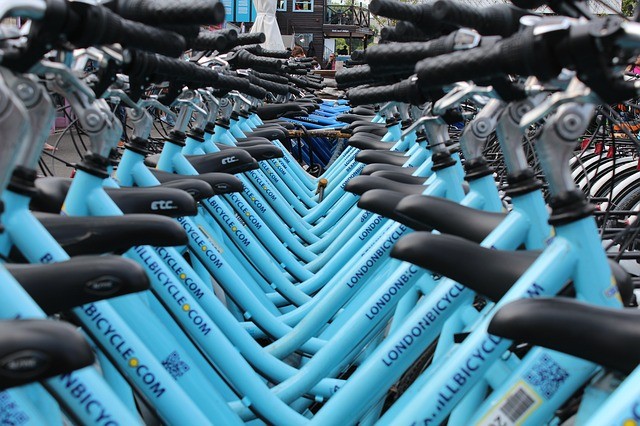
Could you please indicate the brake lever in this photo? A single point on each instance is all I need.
(215, 60)
(241, 97)
(461, 92)
(153, 101)
(61, 76)
(576, 92)
(192, 99)
(120, 94)
(427, 117)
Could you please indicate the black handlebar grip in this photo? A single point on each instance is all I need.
(518, 54)
(499, 19)
(295, 91)
(305, 83)
(405, 31)
(159, 12)
(301, 83)
(387, 34)
(98, 25)
(275, 88)
(386, 75)
(298, 65)
(255, 91)
(280, 54)
(295, 71)
(184, 71)
(250, 38)
(356, 76)
(166, 67)
(403, 53)
(186, 31)
(231, 82)
(147, 38)
(271, 77)
(247, 39)
(244, 59)
(458, 66)
(418, 14)
(357, 55)
(213, 40)
(314, 85)
(158, 67)
(406, 91)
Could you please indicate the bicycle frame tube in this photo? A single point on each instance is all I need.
(74, 387)
(181, 304)
(620, 408)
(588, 269)
(96, 320)
(371, 380)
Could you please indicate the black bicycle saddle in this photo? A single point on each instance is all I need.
(488, 272)
(231, 161)
(260, 152)
(197, 188)
(270, 133)
(366, 141)
(171, 202)
(353, 125)
(605, 336)
(271, 111)
(57, 287)
(448, 217)
(370, 156)
(370, 129)
(384, 202)
(33, 350)
(360, 184)
(111, 234)
(400, 177)
(253, 141)
(278, 124)
(363, 109)
(375, 167)
(350, 118)
(238, 161)
(221, 183)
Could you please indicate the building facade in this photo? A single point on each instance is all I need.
(311, 22)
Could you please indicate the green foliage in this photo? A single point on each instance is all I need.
(343, 42)
(628, 6)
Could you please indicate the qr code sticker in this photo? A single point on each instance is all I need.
(10, 413)
(547, 376)
(174, 365)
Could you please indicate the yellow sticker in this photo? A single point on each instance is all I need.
(513, 408)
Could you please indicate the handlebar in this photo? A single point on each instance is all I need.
(161, 12)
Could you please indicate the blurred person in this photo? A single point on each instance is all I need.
(297, 52)
(331, 63)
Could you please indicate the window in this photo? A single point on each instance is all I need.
(303, 5)
(281, 5)
(304, 39)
